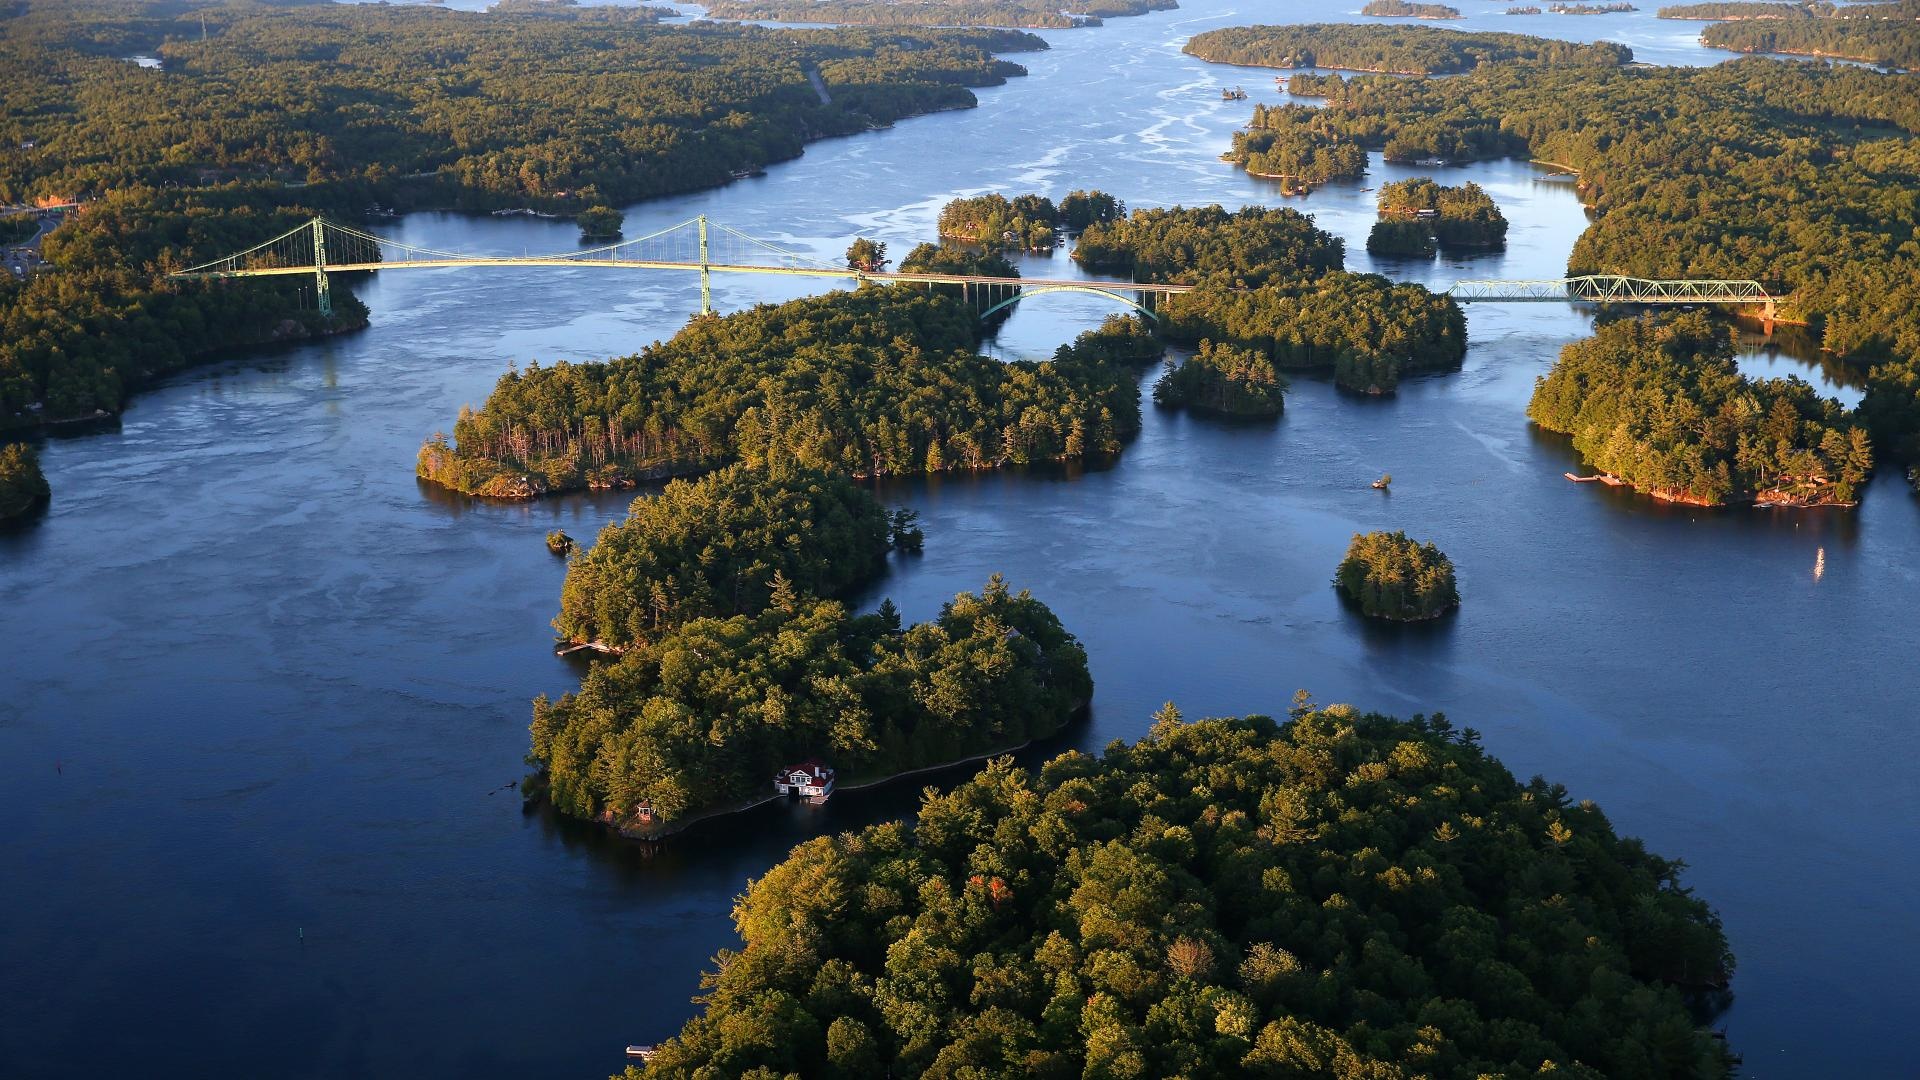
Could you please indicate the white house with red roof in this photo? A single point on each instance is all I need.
(811, 779)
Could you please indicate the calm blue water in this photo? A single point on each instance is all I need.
(265, 695)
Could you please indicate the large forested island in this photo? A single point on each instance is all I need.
(1403, 50)
(1752, 169)
(1030, 14)
(880, 381)
(700, 717)
(1419, 215)
(715, 547)
(22, 487)
(1896, 44)
(1271, 282)
(261, 115)
(1339, 895)
(1392, 577)
(1659, 403)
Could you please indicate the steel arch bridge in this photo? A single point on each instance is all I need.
(321, 247)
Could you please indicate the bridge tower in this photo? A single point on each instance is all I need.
(321, 293)
(706, 271)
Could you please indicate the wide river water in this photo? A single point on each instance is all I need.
(265, 696)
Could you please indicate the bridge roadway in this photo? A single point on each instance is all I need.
(741, 268)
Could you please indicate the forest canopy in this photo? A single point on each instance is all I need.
(1404, 50)
(1392, 577)
(701, 716)
(276, 112)
(1270, 281)
(23, 489)
(1339, 895)
(1659, 402)
(879, 381)
(1463, 218)
(713, 547)
(1225, 380)
(1804, 177)
(1030, 14)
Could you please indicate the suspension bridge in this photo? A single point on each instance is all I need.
(321, 247)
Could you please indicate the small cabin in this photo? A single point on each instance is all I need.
(811, 779)
(643, 810)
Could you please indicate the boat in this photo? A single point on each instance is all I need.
(641, 1052)
(1381, 484)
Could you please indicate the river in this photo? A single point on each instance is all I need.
(266, 695)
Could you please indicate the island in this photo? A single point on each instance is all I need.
(23, 488)
(600, 223)
(209, 154)
(1025, 222)
(720, 546)
(1391, 577)
(1591, 9)
(1895, 45)
(1737, 11)
(1418, 216)
(1678, 164)
(1225, 380)
(1402, 9)
(1271, 281)
(1333, 894)
(1658, 403)
(1027, 14)
(881, 381)
(697, 719)
(1397, 50)
(561, 544)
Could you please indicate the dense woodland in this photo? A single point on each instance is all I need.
(1458, 219)
(701, 716)
(1804, 177)
(1389, 576)
(1338, 895)
(1896, 44)
(881, 381)
(22, 487)
(1030, 14)
(1659, 403)
(1293, 150)
(1225, 380)
(1402, 9)
(1031, 222)
(712, 547)
(277, 112)
(1405, 50)
(1270, 281)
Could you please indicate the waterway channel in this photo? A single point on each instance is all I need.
(266, 695)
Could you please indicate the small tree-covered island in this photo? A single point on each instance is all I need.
(1419, 217)
(1392, 577)
(718, 547)
(698, 719)
(1225, 380)
(1336, 895)
(1659, 403)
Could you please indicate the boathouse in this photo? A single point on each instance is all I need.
(811, 779)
